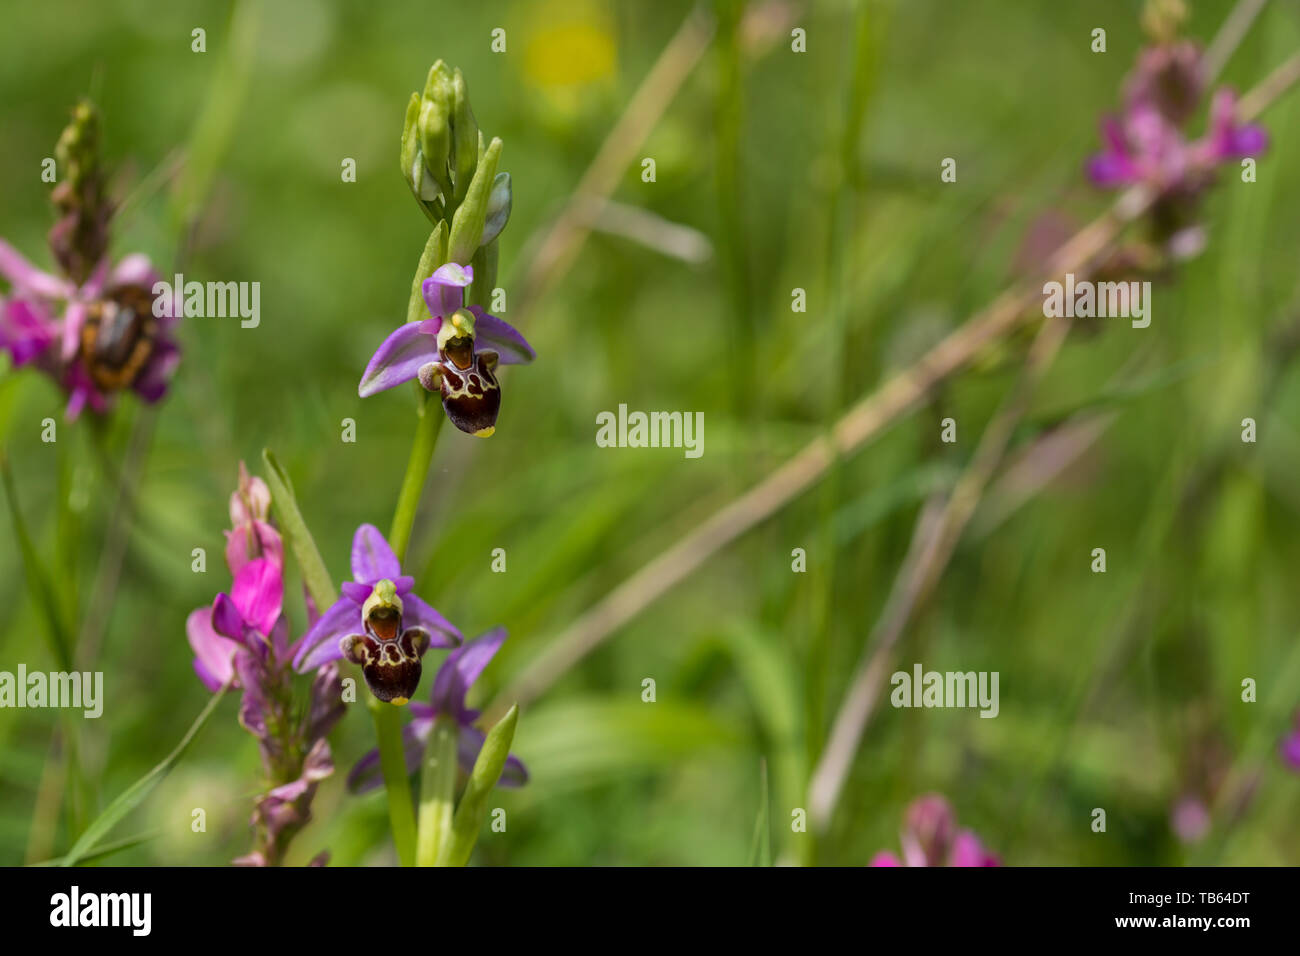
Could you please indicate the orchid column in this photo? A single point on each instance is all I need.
(452, 346)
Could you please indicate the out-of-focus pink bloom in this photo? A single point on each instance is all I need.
(1190, 819)
(96, 338)
(930, 838)
(1290, 747)
(1146, 141)
(252, 535)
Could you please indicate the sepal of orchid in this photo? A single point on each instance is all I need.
(400, 356)
(501, 337)
(468, 222)
(464, 136)
(500, 200)
(392, 668)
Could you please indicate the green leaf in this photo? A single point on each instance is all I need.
(107, 849)
(134, 795)
(434, 255)
(314, 573)
(38, 581)
(581, 742)
(215, 124)
(473, 803)
(437, 793)
(467, 224)
(760, 851)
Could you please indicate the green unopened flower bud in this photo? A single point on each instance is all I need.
(498, 208)
(468, 223)
(438, 85)
(464, 137)
(411, 143)
(77, 150)
(1163, 19)
(80, 237)
(435, 142)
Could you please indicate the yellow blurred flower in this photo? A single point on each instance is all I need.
(568, 46)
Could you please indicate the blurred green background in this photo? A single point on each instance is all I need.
(818, 171)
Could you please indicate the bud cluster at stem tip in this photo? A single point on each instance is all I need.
(443, 150)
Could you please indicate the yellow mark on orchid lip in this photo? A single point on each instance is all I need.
(400, 701)
(486, 432)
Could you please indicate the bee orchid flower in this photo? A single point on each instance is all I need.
(455, 352)
(450, 687)
(377, 623)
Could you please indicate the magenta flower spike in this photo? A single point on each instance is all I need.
(455, 352)
(243, 640)
(378, 623)
(450, 687)
(252, 534)
(1146, 143)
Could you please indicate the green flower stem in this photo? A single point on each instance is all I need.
(392, 760)
(428, 425)
(388, 719)
(437, 793)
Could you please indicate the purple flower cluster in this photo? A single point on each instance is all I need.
(1146, 142)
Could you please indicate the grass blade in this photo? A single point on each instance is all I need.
(134, 795)
(760, 849)
(38, 582)
(314, 573)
